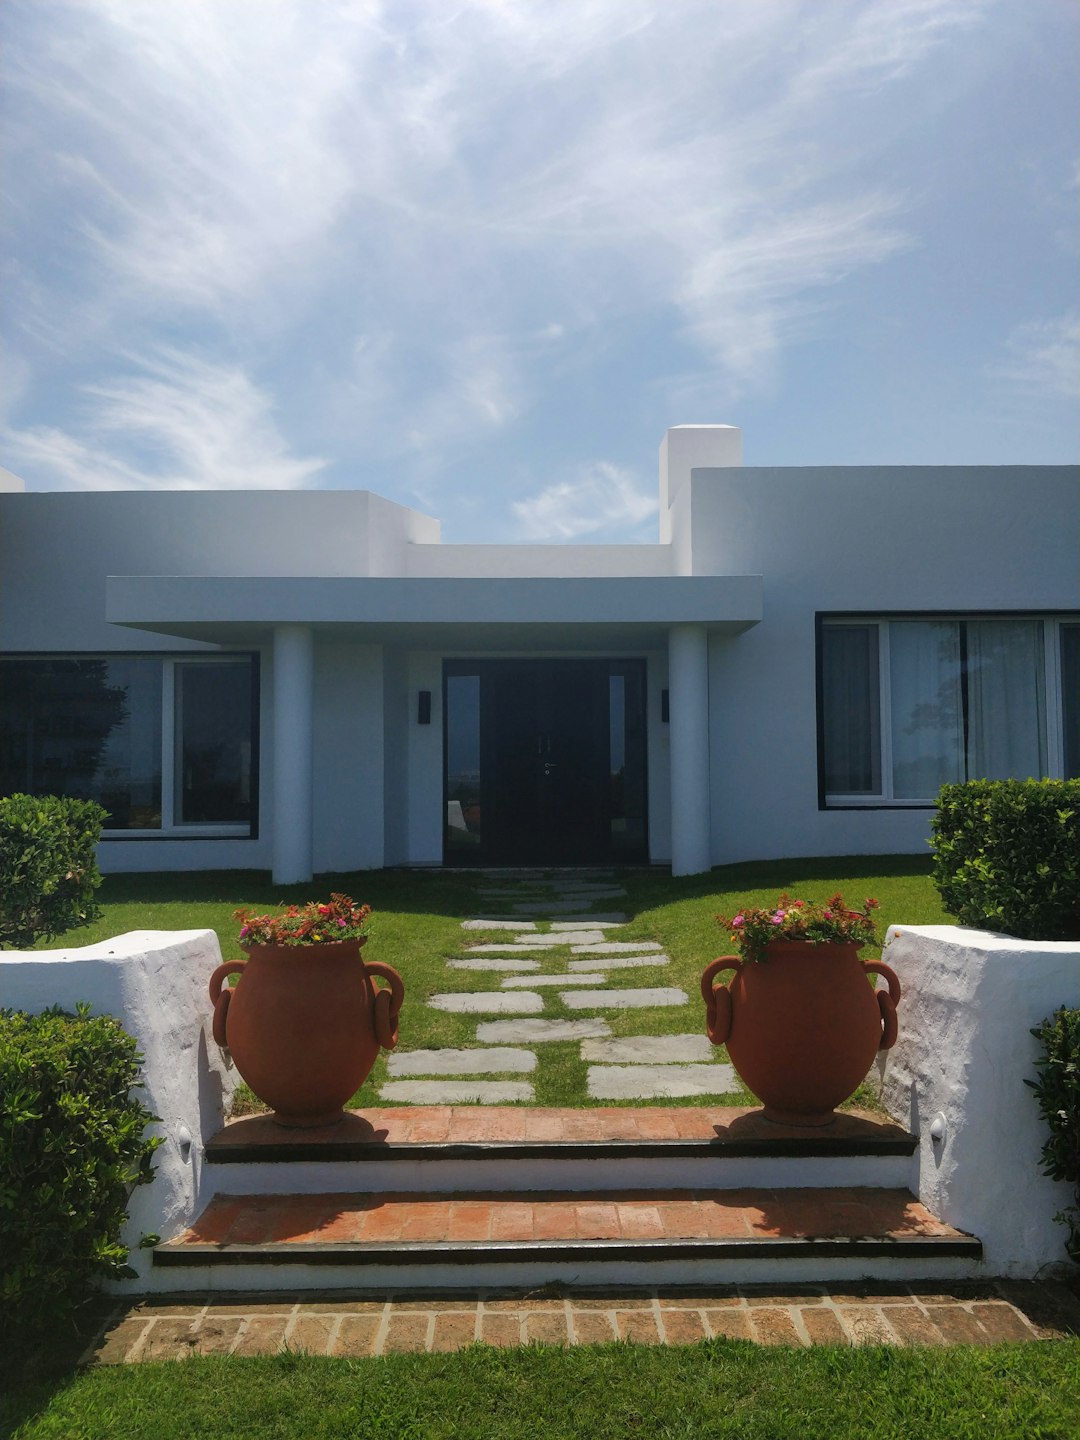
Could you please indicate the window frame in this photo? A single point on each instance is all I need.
(170, 828)
(1052, 622)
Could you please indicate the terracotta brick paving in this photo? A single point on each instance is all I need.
(980, 1313)
(580, 1215)
(464, 1124)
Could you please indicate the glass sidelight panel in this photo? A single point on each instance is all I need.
(626, 761)
(464, 812)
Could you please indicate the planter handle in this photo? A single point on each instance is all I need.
(887, 1001)
(387, 1002)
(221, 994)
(718, 999)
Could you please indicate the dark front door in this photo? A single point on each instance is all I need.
(545, 761)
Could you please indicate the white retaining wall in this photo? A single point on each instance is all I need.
(155, 983)
(964, 1051)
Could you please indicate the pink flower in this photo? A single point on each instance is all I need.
(341, 923)
(245, 931)
(778, 918)
(738, 921)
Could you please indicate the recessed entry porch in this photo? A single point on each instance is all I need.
(545, 744)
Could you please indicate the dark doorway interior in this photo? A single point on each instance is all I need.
(544, 762)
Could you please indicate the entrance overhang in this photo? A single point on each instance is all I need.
(483, 613)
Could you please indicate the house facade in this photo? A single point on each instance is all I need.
(310, 681)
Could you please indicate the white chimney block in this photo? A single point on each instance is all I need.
(692, 447)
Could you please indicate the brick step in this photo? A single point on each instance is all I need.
(480, 1239)
(451, 1148)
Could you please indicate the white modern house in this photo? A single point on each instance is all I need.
(311, 681)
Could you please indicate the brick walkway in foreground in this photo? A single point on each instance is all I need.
(978, 1313)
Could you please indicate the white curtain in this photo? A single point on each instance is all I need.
(927, 718)
(850, 709)
(1006, 722)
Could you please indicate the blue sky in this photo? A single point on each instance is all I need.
(477, 255)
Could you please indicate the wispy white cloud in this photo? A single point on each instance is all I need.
(602, 501)
(1042, 358)
(179, 422)
(400, 197)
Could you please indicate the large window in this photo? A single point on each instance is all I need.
(910, 704)
(167, 745)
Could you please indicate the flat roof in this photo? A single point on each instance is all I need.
(237, 609)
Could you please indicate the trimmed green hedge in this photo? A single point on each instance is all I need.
(1007, 856)
(1058, 1093)
(48, 867)
(72, 1146)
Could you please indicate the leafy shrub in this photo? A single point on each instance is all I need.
(48, 870)
(1058, 1092)
(1007, 856)
(71, 1148)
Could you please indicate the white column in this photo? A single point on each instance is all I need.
(688, 705)
(294, 678)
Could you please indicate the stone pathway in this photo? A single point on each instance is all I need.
(934, 1313)
(543, 916)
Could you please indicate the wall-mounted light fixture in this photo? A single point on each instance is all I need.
(423, 708)
(665, 708)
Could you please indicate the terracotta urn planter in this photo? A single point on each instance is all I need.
(802, 1025)
(304, 1024)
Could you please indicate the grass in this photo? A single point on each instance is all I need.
(417, 926)
(715, 1389)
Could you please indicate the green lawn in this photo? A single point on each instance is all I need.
(417, 924)
(712, 1390)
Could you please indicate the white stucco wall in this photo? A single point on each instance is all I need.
(963, 1052)
(155, 983)
(56, 550)
(348, 742)
(510, 561)
(868, 540)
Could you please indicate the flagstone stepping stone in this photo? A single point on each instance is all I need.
(508, 964)
(618, 947)
(623, 999)
(655, 1082)
(534, 1032)
(492, 1061)
(498, 924)
(522, 981)
(450, 1092)
(649, 1050)
(488, 1002)
(597, 922)
(549, 907)
(575, 920)
(619, 962)
(563, 937)
(518, 892)
(591, 893)
(512, 948)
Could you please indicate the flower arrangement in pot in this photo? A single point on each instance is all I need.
(306, 1020)
(800, 1021)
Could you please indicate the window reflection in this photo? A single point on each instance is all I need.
(213, 743)
(463, 818)
(87, 728)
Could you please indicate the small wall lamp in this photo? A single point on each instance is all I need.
(423, 708)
